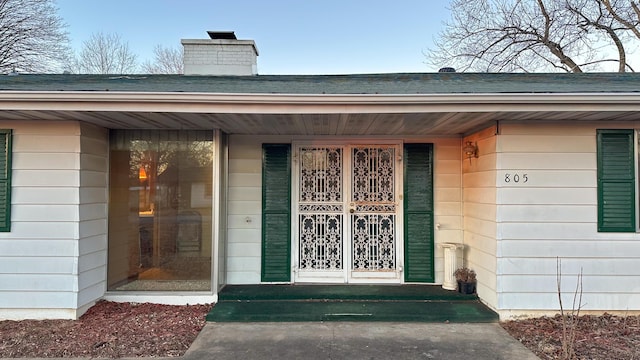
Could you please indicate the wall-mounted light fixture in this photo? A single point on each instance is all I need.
(470, 150)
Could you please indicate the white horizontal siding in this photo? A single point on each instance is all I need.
(49, 178)
(37, 265)
(90, 228)
(244, 193)
(593, 301)
(554, 178)
(45, 161)
(592, 283)
(546, 196)
(87, 296)
(247, 249)
(91, 162)
(549, 161)
(41, 230)
(44, 196)
(94, 195)
(41, 282)
(452, 195)
(93, 178)
(571, 266)
(547, 213)
(480, 228)
(243, 277)
(93, 211)
(92, 260)
(38, 247)
(554, 215)
(244, 209)
(575, 248)
(33, 300)
(41, 258)
(546, 143)
(46, 143)
(93, 225)
(241, 222)
(42, 128)
(447, 209)
(93, 244)
(547, 231)
(33, 212)
(243, 180)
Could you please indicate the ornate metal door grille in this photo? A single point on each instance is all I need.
(346, 204)
(321, 208)
(373, 215)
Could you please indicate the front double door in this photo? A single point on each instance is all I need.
(347, 213)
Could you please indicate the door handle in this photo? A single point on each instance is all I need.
(352, 210)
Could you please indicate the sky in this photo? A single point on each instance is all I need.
(292, 36)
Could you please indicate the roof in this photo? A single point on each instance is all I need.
(433, 104)
(399, 83)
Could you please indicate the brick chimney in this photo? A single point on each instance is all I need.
(221, 54)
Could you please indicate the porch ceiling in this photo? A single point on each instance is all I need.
(442, 123)
(338, 115)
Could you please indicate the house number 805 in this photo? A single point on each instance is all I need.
(516, 178)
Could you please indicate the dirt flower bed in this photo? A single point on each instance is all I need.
(596, 337)
(107, 330)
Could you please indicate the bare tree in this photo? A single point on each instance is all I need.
(166, 61)
(105, 54)
(32, 36)
(538, 35)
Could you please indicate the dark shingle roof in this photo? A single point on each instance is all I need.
(406, 83)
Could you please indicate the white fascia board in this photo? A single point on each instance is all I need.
(308, 103)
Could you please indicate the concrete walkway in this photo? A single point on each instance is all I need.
(355, 340)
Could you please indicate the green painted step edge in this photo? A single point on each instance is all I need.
(403, 311)
(340, 292)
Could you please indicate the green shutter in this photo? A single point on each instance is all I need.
(616, 181)
(418, 213)
(276, 213)
(5, 180)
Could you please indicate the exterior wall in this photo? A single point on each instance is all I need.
(220, 57)
(553, 214)
(39, 257)
(244, 228)
(245, 196)
(480, 228)
(447, 198)
(92, 241)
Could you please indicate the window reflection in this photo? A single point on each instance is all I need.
(160, 210)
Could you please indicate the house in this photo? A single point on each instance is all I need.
(166, 188)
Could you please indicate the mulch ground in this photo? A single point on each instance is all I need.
(107, 330)
(595, 337)
(115, 330)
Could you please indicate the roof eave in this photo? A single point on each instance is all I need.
(316, 103)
